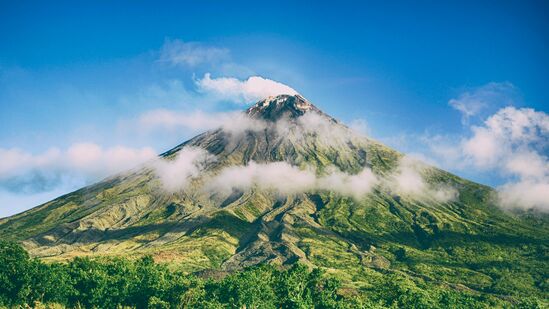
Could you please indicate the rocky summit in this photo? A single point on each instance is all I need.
(286, 182)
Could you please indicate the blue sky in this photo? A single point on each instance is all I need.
(75, 75)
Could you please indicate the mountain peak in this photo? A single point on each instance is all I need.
(274, 107)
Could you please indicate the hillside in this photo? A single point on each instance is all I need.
(449, 232)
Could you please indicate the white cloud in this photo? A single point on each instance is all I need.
(356, 185)
(526, 194)
(231, 122)
(482, 148)
(513, 144)
(96, 161)
(323, 128)
(474, 101)
(360, 126)
(177, 52)
(408, 179)
(252, 89)
(506, 134)
(277, 176)
(283, 178)
(315, 123)
(176, 173)
(82, 160)
(14, 161)
(527, 165)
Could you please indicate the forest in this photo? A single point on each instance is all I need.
(142, 283)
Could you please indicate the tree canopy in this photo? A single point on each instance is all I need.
(142, 283)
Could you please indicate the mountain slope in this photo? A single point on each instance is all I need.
(464, 240)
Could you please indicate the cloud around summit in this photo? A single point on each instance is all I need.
(252, 89)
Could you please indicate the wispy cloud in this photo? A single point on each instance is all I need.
(510, 146)
(197, 121)
(177, 52)
(176, 173)
(314, 124)
(355, 185)
(474, 101)
(278, 176)
(22, 171)
(511, 143)
(408, 179)
(515, 142)
(359, 126)
(284, 178)
(505, 134)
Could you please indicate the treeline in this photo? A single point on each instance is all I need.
(141, 283)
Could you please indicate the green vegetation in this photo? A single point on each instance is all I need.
(142, 283)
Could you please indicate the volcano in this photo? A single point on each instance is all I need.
(287, 183)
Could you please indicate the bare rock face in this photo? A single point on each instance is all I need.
(274, 108)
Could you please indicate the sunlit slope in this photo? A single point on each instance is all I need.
(466, 241)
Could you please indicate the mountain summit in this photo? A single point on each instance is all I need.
(289, 183)
(273, 108)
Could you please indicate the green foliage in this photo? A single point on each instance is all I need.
(16, 274)
(142, 283)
